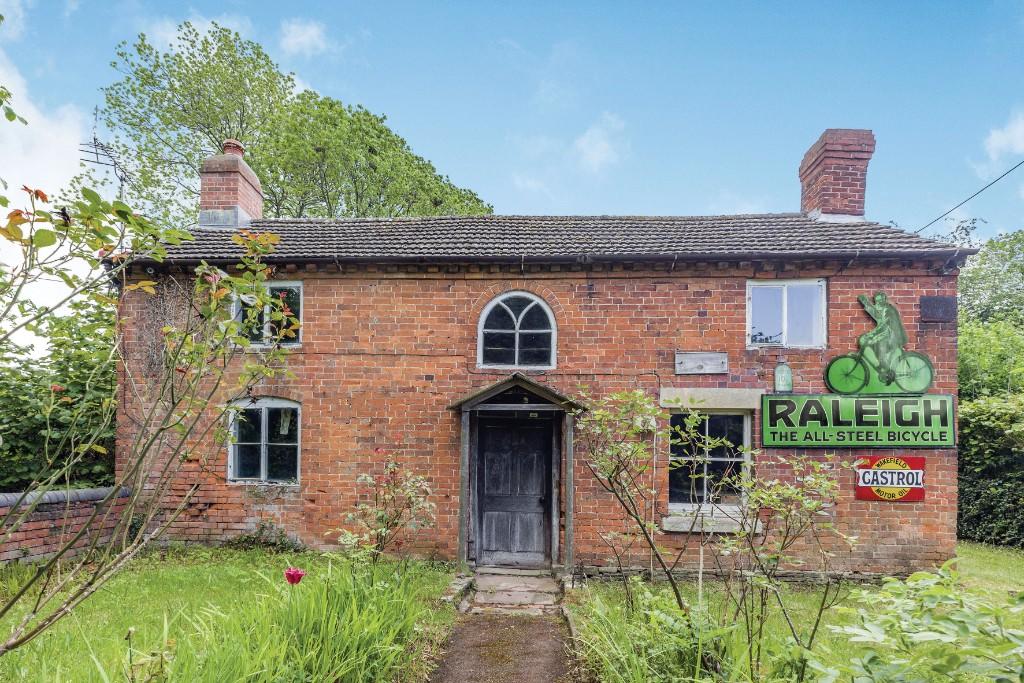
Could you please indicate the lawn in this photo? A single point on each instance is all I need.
(202, 612)
(617, 647)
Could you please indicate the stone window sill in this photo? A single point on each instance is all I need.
(682, 522)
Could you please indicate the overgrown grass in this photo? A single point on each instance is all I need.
(619, 646)
(223, 615)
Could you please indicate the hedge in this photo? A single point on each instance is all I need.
(991, 469)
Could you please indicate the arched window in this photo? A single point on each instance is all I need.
(517, 330)
(265, 441)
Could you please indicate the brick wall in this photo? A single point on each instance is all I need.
(387, 350)
(56, 519)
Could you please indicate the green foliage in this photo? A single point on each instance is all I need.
(929, 626)
(991, 358)
(991, 451)
(394, 502)
(172, 599)
(992, 283)
(648, 643)
(343, 623)
(775, 524)
(314, 155)
(64, 399)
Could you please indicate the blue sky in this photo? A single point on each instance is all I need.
(594, 107)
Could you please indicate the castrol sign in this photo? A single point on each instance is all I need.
(893, 478)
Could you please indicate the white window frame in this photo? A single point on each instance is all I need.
(784, 285)
(263, 404)
(480, 332)
(689, 511)
(236, 311)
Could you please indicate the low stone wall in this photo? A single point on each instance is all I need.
(57, 516)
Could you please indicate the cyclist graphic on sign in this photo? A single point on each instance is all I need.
(887, 339)
(881, 364)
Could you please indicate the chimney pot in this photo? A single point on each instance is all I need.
(232, 146)
(833, 174)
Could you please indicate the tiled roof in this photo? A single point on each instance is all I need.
(570, 238)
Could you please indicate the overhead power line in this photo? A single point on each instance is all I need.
(933, 222)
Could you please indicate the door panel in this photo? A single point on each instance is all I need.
(514, 491)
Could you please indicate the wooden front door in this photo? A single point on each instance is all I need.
(514, 491)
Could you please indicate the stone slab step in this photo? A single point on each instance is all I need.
(531, 610)
(512, 571)
(515, 598)
(496, 582)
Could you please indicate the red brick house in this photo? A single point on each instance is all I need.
(456, 344)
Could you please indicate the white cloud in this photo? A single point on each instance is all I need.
(1006, 140)
(301, 85)
(70, 7)
(13, 12)
(43, 154)
(162, 31)
(303, 37)
(528, 183)
(602, 144)
(729, 203)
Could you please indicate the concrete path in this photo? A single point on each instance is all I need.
(510, 632)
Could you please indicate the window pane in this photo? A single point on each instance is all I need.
(535, 319)
(282, 463)
(679, 433)
(517, 304)
(721, 481)
(499, 348)
(282, 425)
(291, 300)
(499, 319)
(535, 348)
(252, 322)
(765, 315)
(728, 427)
(686, 482)
(249, 426)
(804, 312)
(247, 461)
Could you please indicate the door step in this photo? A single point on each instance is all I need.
(520, 591)
(512, 571)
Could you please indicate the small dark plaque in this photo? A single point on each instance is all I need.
(938, 309)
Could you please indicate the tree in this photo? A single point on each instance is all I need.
(992, 282)
(179, 401)
(314, 155)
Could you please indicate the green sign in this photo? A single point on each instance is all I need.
(880, 365)
(863, 421)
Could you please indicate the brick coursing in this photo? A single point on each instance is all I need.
(56, 519)
(833, 173)
(386, 350)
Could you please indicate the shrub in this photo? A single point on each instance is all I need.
(991, 358)
(991, 469)
(929, 623)
(64, 401)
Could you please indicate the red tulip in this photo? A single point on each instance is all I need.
(293, 575)
(56, 388)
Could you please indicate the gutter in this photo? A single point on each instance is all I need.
(585, 258)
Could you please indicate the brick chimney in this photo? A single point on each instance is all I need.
(230, 195)
(833, 174)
